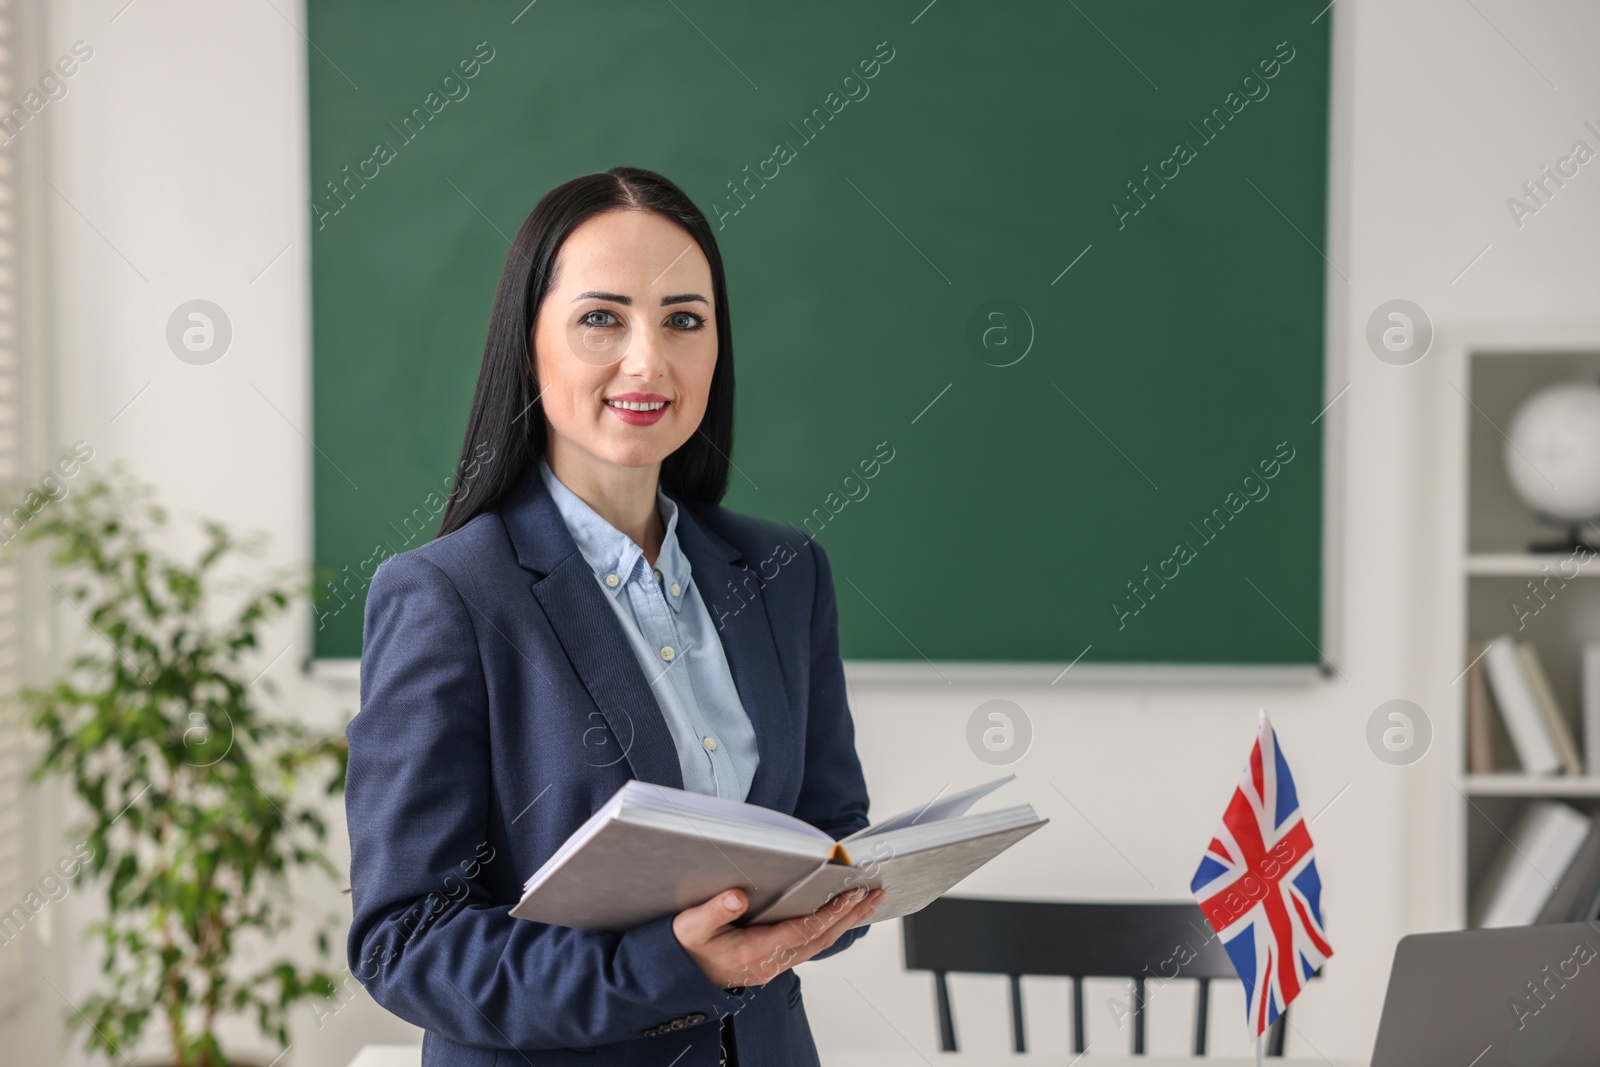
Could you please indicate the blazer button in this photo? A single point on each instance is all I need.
(696, 1018)
(678, 1023)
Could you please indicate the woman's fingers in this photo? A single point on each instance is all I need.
(865, 910)
(769, 949)
(755, 955)
(697, 925)
(777, 947)
(798, 939)
(810, 927)
(852, 916)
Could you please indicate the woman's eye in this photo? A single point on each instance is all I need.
(686, 320)
(588, 318)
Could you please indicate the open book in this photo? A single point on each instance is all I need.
(652, 850)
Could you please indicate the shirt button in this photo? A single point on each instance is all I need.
(657, 573)
(667, 653)
(674, 588)
(710, 743)
(612, 580)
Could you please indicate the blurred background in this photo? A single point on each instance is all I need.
(249, 251)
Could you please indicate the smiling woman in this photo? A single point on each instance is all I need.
(634, 353)
(552, 643)
(610, 287)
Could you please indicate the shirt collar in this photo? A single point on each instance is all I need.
(609, 551)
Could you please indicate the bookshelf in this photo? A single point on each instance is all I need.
(1523, 565)
(1528, 785)
(1490, 568)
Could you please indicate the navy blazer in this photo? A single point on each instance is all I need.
(500, 707)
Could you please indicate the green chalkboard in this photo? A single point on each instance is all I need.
(1052, 273)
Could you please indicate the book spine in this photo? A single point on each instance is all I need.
(1555, 722)
(1591, 707)
(1480, 728)
(1535, 858)
(1569, 902)
(1519, 708)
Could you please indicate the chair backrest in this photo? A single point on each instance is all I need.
(1018, 937)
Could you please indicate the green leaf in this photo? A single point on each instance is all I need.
(156, 723)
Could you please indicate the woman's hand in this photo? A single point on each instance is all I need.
(733, 956)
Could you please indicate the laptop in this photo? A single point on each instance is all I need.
(1525, 996)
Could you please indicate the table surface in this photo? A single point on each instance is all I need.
(411, 1056)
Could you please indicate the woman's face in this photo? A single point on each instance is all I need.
(628, 312)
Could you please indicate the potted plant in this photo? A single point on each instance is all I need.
(194, 824)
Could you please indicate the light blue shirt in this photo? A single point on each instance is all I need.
(673, 640)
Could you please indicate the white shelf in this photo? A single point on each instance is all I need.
(1529, 785)
(1528, 565)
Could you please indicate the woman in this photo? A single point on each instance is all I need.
(589, 614)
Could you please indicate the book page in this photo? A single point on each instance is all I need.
(912, 880)
(629, 873)
(652, 797)
(949, 807)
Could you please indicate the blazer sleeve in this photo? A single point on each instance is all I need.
(425, 940)
(833, 794)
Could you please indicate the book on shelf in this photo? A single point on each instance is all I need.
(1573, 899)
(1590, 689)
(1507, 676)
(1489, 747)
(1520, 708)
(652, 850)
(1555, 722)
(1590, 912)
(1531, 864)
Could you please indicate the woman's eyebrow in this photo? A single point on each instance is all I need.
(680, 298)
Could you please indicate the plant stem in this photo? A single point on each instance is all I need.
(174, 1004)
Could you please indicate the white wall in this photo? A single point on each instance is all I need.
(179, 156)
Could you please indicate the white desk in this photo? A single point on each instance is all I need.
(411, 1056)
(388, 1056)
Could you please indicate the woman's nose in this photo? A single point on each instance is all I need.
(645, 357)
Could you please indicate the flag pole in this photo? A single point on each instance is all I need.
(1258, 1049)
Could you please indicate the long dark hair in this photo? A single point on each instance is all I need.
(506, 428)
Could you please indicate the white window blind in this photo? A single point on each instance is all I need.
(15, 748)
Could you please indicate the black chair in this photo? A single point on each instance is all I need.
(1018, 937)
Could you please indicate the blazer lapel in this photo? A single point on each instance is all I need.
(595, 643)
(747, 642)
(592, 638)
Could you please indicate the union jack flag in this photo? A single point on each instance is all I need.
(1259, 888)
